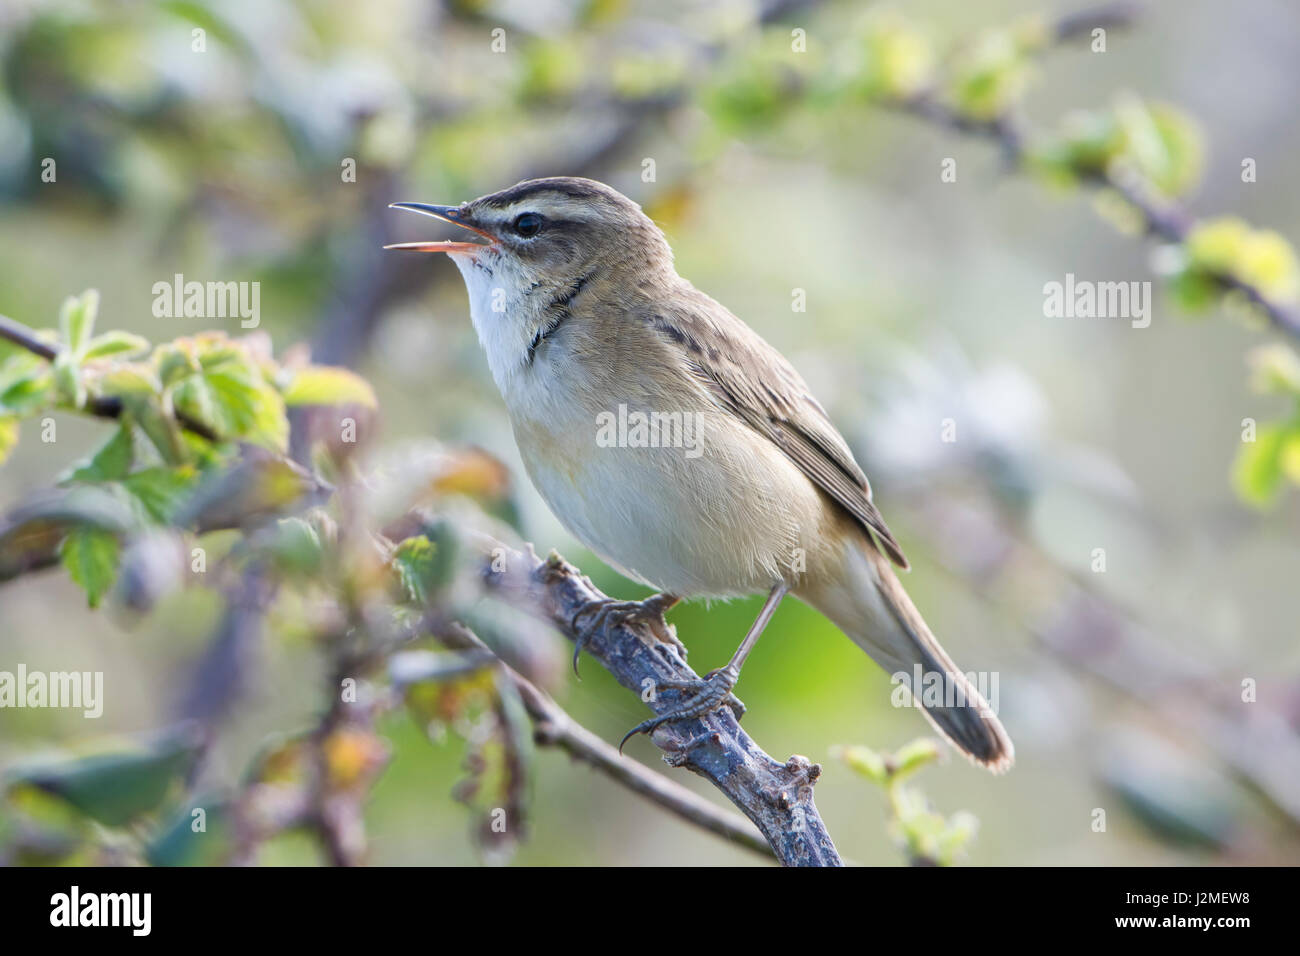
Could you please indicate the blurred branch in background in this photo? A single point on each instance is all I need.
(974, 504)
(1145, 153)
(231, 160)
(375, 281)
(320, 780)
(554, 728)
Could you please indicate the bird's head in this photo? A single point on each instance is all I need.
(547, 229)
(552, 259)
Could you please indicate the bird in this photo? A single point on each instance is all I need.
(592, 337)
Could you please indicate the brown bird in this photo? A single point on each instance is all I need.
(678, 445)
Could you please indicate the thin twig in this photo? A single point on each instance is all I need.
(1161, 218)
(1120, 14)
(365, 292)
(101, 406)
(555, 728)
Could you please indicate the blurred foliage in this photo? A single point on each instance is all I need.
(231, 158)
(928, 838)
(1155, 141)
(182, 409)
(1270, 453)
(197, 446)
(132, 123)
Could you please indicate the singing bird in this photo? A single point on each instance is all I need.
(576, 301)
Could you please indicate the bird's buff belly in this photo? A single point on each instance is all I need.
(723, 515)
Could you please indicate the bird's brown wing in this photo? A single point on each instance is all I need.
(755, 382)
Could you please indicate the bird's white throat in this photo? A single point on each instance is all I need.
(501, 316)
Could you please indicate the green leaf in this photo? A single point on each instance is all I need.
(174, 363)
(68, 381)
(194, 396)
(1275, 369)
(416, 562)
(8, 436)
(957, 835)
(115, 788)
(112, 461)
(550, 70)
(867, 762)
(295, 546)
(753, 91)
(91, 554)
(161, 429)
(219, 351)
(161, 490)
(116, 343)
(130, 381)
(989, 74)
(1194, 290)
(426, 563)
(1163, 143)
(913, 756)
(1086, 144)
(897, 59)
(263, 420)
(28, 395)
(234, 399)
(1289, 456)
(26, 384)
(77, 320)
(327, 385)
(1268, 262)
(1258, 471)
(1228, 246)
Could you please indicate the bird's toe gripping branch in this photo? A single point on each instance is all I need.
(704, 696)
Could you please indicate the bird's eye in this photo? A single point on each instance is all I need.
(528, 224)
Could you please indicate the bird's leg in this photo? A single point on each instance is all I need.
(649, 612)
(714, 689)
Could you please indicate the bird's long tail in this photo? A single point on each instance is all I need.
(867, 602)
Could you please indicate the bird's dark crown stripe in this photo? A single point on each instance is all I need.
(572, 188)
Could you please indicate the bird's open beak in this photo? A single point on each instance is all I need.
(447, 214)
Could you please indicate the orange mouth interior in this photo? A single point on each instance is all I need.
(443, 246)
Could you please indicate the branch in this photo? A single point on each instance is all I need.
(553, 727)
(101, 406)
(1160, 218)
(364, 293)
(1096, 635)
(1120, 14)
(777, 797)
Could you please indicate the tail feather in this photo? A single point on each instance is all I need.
(868, 603)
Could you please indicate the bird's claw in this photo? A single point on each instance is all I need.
(711, 693)
(649, 612)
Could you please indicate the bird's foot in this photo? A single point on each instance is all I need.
(649, 612)
(704, 696)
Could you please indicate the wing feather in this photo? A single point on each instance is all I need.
(767, 393)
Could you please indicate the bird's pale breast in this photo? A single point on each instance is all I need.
(702, 505)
